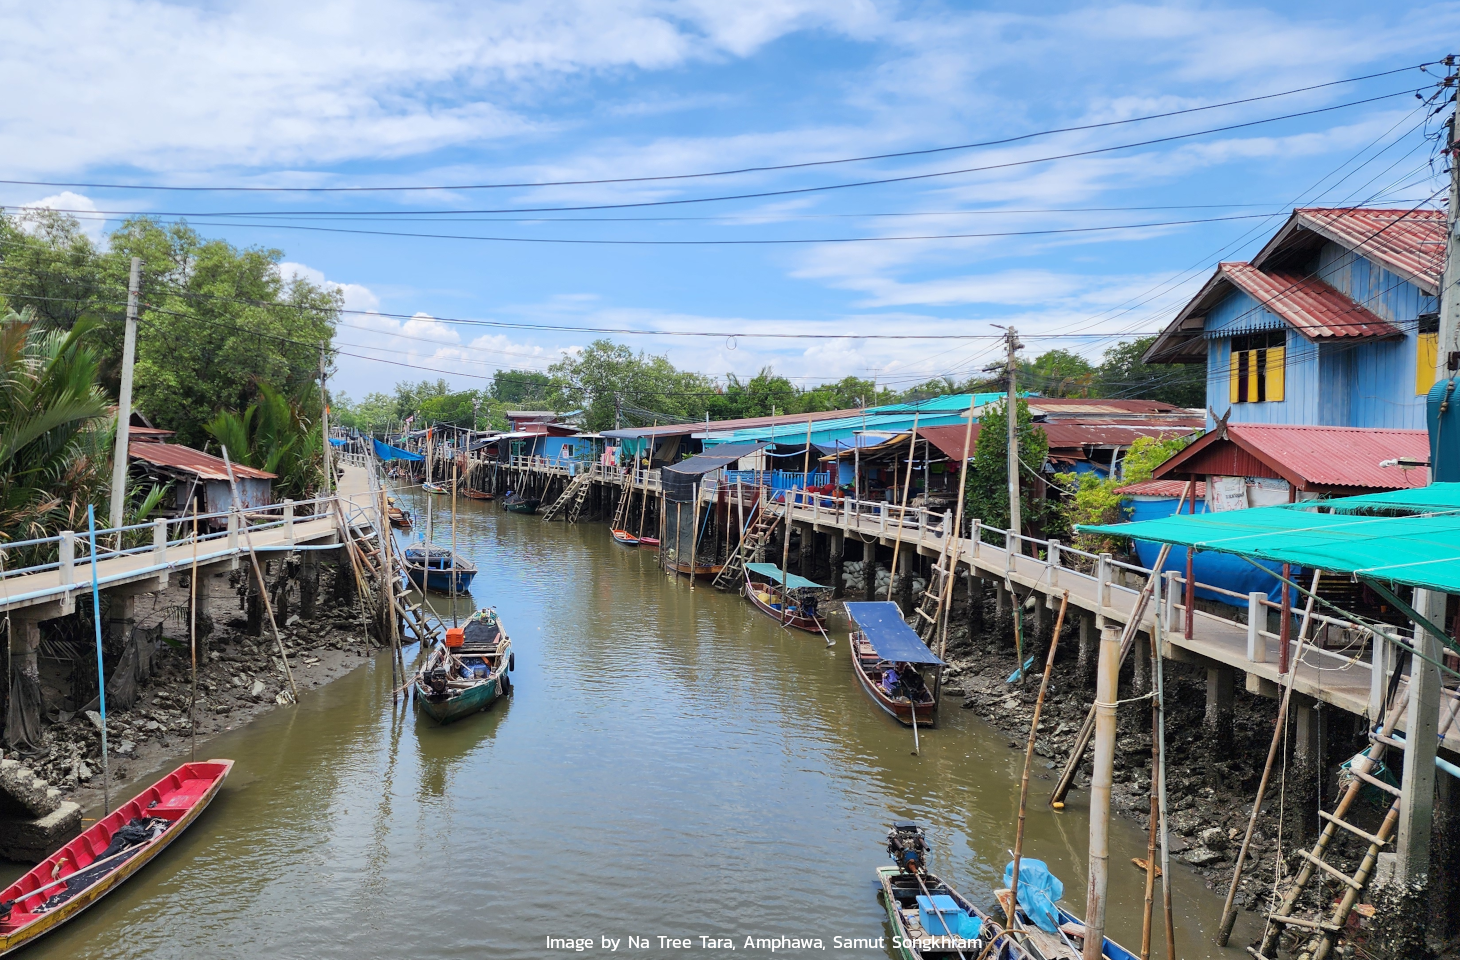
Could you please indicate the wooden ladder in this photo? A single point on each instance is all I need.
(925, 617)
(575, 509)
(758, 529)
(576, 488)
(1322, 933)
(625, 504)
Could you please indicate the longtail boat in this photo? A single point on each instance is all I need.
(652, 542)
(702, 570)
(478, 495)
(433, 568)
(769, 597)
(1045, 925)
(467, 672)
(625, 538)
(397, 516)
(516, 504)
(881, 641)
(107, 853)
(430, 487)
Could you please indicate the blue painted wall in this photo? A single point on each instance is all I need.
(1367, 384)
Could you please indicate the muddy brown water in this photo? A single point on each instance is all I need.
(671, 764)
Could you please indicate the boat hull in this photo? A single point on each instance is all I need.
(625, 538)
(900, 710)
(439, 581)
(521, 506)
(703, 571)
(768, 603)
(942, 947)
(472, 700)
(23, 928)
(479, 495)
(650, 542)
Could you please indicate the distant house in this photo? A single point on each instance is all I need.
(1334, 322)
(198, 477)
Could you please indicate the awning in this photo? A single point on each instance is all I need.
(881, 622)
(678, 480)
(773, 573)
(385, 451)
(1409, 537)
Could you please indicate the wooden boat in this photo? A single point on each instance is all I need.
(1067, 941)
(880, 641)
(434, 568)
(107, 853)
(649, 542)
(398, 517)
(468, 672)
(478, 495)
(930, 919)
(516, 504)
(768, 596)
(437, 488)
(704, 571)
(626, 538)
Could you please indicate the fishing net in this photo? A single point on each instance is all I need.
(23, 714)
(126, 843)
(134, 666)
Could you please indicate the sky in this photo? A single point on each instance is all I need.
(1077, 237)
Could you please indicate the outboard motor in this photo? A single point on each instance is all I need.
(908, 847)
(436, 680)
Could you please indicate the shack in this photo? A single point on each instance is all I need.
(198, 477)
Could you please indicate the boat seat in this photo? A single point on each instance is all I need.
(177, 801)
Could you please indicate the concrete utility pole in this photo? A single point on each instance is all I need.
(324, 421)
(1011, 406)
(1102, 776)
(124, 397)
(1447, 357)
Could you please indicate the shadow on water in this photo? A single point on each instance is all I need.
(671, 762)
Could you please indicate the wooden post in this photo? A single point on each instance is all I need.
(1285, 627)
(1189, 596)
(1256, 617)
(1108, 676)
(902, 513)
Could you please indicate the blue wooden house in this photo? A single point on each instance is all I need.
(1334, 322)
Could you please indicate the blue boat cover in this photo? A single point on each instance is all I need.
(386, 452)
(889, 634)
(1038, 892)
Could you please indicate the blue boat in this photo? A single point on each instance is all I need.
(434, 569)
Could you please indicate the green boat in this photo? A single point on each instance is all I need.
(520, 504)
(466, 673)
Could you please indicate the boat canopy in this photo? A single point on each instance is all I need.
(773, 573)
(889, 634)
(386, 452)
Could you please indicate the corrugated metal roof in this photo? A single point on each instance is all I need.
(1409, 242)
(1314, 457)
(1122, 433)
(949, 439)
(1095, 407)
(1162, 488)
(1312, 307)
(204, 465)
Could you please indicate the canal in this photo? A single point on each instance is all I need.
(671, 764)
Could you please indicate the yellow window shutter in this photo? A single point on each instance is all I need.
(1275, 371)
(1234, 369)
(1427, 357)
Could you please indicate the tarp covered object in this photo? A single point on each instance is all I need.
(1039, 890)
(385, 451)
(889, 634)
(1410, 537)
(678, 480)
(337, 441)
(773, 573)
(1214, 569)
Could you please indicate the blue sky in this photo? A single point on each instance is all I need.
(366, 94)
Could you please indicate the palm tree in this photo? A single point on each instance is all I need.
(274, 434)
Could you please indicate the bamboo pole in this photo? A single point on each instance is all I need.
(952, 544)
(902, 510)
(454, 622)
(258, 573)
(1029, 754)
(397, 664)
(1161, 796)
(193, 641)
(1154, 815)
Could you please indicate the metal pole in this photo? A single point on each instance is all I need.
(1106, 694)
(106, 774)
(193, 639)
(1011, 407)
(124, 400)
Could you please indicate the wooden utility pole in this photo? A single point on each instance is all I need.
(124, 400)
(1011, 407)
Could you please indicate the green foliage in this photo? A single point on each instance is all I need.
(521, 387)
(605, 374)
(1093, 500)
(987, 491)
(1123, 374)
(276, 435)
(1058, 373)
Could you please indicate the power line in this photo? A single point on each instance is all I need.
(757, 169)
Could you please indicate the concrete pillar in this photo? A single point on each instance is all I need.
(123, 614)
(1089, 638)
(1140, 657)
(1041, 622)
(1422, 726)
(837, 544)
(1217, 723)
(975, 604)
(1303, 772)
(28, 634)
(808, 543)
(869, 571)
(254, 608)
(345, 586)
(902, 588)
(200, 610)
(1002, 601)
(308, 584)
(1444, 887)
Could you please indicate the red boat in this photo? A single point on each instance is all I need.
(626, 538)
(881, 641)
(649, 542)
(95, 863)
(478, 495)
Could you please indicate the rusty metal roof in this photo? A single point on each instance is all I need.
(1312, 307)
(1308, 457)
(1162, 488)
(1409, 242)
(1100, 406)
(1110, 432)
(205, 466)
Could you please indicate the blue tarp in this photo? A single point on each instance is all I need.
(385, 451)
(1039, 890)
(337, 441)
(889, 634)
(1216, 569)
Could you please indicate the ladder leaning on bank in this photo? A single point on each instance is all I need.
(570, 499)
(625, 503)
(930, 604)
(758, 529)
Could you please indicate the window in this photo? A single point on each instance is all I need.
(1426, 353)
(1257, 366)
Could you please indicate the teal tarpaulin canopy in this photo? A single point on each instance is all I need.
(773, 573)
(1409, 537)
(385, 451)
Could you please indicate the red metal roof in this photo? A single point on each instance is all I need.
(205, 466)
(1162, 488)
(1097, 406)
(1111, 432)
(949, 439)
(1312, 307)
(1409, 242)
(147, 434)
(1308, 457)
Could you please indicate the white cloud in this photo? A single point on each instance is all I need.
(355, 296)
(81, 207)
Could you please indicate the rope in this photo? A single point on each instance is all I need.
(1144, 696)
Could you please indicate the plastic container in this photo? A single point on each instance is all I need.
(455, 637)
(951, 920)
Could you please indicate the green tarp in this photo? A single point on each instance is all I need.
(1410, 537)
(773, 573)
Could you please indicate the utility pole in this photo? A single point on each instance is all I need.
(1011, 407)
(124, 400)
(1447, 357)
(324, 421)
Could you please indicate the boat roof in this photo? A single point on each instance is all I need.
(881, 622)
(773, 573)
